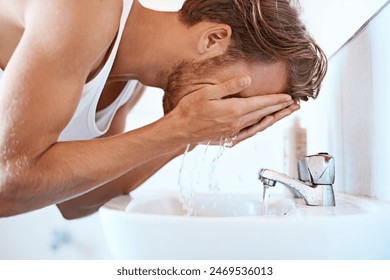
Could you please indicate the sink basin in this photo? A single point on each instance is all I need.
(155, 226)
(205, 205)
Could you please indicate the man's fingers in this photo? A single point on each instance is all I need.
(231, 87)
(266, 122)
(286, 112)
(261, 102)
(255, 116)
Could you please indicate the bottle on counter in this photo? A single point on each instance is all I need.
(294, 147)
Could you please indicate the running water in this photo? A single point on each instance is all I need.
(266, 195)
(191, 178)
(186, 193)
(224, 144)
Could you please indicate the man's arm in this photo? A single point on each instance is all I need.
(41, 88)
(90, 202)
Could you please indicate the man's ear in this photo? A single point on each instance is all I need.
(215, 40)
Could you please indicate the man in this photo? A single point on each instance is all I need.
(230, 68)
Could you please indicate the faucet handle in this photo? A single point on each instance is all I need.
(317, 169)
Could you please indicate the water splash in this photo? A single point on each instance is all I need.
(203, 164)
(186, 192)
(190, 178)
(225, 143)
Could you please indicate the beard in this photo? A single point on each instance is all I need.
(189, 76)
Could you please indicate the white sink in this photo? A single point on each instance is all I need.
(155, 226)
(206, 205)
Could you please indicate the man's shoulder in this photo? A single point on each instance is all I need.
(85, 28)
(81, 17)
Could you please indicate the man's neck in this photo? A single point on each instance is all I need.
(140, 54)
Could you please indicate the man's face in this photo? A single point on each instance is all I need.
(188, 77)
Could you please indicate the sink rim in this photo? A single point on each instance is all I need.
(364, 205)
(124, 200)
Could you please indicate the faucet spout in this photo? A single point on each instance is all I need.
(313, 194)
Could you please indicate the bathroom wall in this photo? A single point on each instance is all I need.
(333, 22)
(351, 119)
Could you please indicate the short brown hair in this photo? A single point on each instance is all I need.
(267, 31)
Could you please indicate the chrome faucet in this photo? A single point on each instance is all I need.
(316, 178)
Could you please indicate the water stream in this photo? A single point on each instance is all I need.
(190, 175)
(199, 172)
(186, 192)
(266, 195)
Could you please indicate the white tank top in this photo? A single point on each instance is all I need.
(86, 123)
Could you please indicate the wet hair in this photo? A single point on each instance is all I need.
(266, 31)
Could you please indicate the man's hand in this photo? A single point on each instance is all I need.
(266, 122)
(210, 113)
